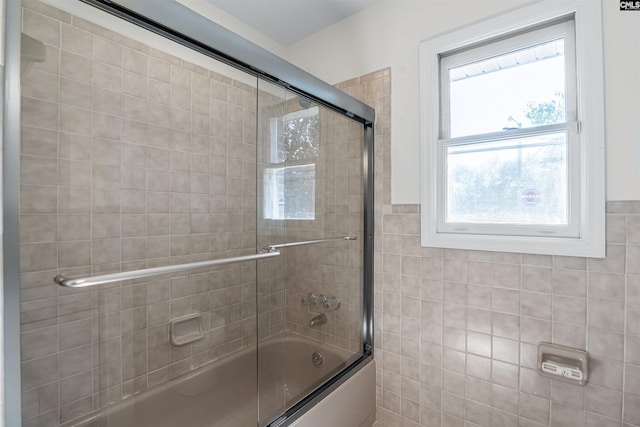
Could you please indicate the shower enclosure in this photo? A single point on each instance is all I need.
(188, 223)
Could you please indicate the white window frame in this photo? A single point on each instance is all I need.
(585, 236)
(564, 30)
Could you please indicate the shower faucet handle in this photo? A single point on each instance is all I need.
(310, 299)
(331, 304)
(320, 301)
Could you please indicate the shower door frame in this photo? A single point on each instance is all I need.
(192, 30)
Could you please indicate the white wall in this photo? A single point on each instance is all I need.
(622, 101)
(388, 35)
(231, 23)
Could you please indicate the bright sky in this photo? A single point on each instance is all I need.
(483, 103)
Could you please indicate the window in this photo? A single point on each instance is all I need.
(290, 192)
(289, 185)
(513, 133)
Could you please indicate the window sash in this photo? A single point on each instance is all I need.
(489, 49)
(493, 48)
(572, 229)
(277, 134)
(273, 192)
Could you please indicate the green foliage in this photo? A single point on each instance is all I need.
(298, 149)
(301, 139)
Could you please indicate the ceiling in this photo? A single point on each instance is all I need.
(288, 21)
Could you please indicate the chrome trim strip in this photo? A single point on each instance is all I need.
(11, 214)
(368, 158)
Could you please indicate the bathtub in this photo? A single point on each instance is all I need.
(222, 393)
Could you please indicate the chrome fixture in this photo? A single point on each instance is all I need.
(310, 299)
(316, 358)
(267, 252)
(318, 320)
(271, 248)
(313, 300)
(321, 301)
(80, 282)
(331, 304)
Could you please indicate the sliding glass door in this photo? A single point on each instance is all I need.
(310, 208)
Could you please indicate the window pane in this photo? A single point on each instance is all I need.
(515, 181)
(290, 192)
(300, 192)
(294, 137)
(515, 90)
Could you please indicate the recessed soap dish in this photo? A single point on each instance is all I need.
(563, 363)
(186, 329)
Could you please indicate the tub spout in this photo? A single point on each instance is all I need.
(318, 320)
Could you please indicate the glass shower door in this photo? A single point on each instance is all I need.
(310, 209)
(134, 156)
(140, 154)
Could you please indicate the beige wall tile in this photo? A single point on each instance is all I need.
(76, 67)
(607, 286)
(107, 76)
(40, 113)
(606, 315)
(42, 27)
(606, 373)
(603, 401)
(135, 61)
(77, 41)
(39, 142)
(633, 319)
(41, 85)
(606, 344)
(632, 411)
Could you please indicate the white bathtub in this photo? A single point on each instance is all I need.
(222, 394)
(352, 404)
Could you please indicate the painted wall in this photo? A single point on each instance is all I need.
(231, 23)
(388, 35)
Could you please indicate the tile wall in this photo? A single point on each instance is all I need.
(333, 269)
(131, 158)
(456, 331)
